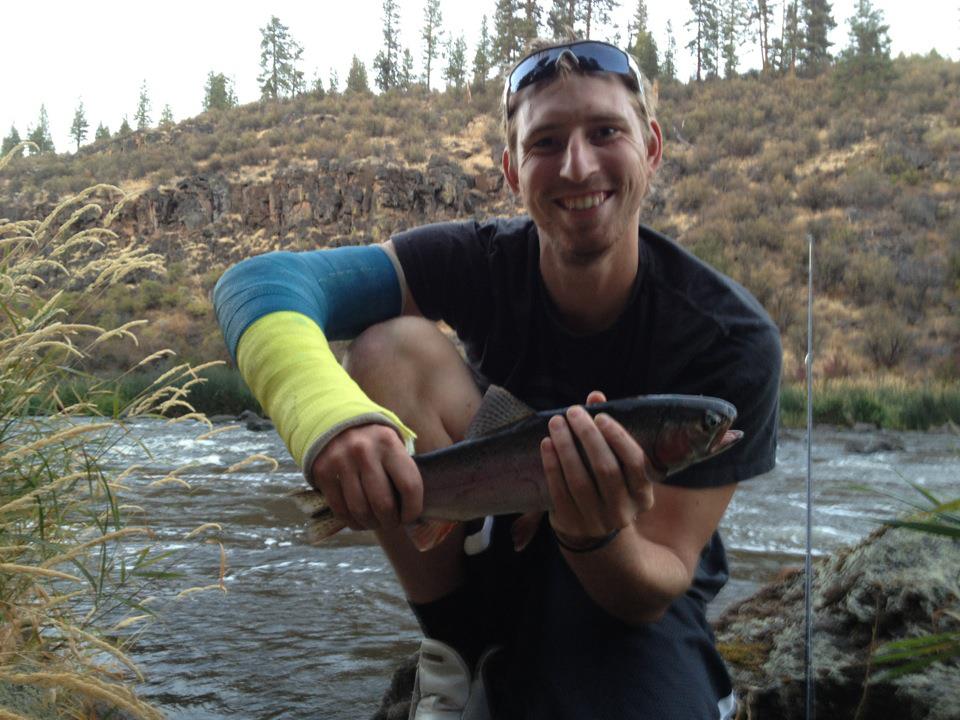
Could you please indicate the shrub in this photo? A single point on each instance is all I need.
(866, 188)
(845, 130)
(744, 143)
(886, 338)
(817, 193)
(691, 193)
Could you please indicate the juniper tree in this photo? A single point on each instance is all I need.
(357, 76)
(432, 37)
(101, 133)
(10, 141)
(142, 116)
(387, 61)
(481, 58)
(334, 82)
(218, 93)
(279, 55)
(78, 128)
(817, 22)
(866, 60)
(166, 118)
(642, 44)
(456, 71)
(124, 128)
(316, 86)
(40, 135)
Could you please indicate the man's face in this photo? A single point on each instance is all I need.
(582, 167)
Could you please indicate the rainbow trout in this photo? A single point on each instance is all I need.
(496, 469)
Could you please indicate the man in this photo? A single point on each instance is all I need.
(598, 610)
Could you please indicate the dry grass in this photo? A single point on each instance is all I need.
(67, 584)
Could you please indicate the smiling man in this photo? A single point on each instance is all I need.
(598, 609)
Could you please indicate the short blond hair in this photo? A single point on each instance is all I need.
(644, 100)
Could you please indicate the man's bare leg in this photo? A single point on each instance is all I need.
(407, 365)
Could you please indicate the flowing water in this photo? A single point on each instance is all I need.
(314, 632)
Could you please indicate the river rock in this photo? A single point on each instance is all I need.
(876, 444)
(895, 584)
(254, 422)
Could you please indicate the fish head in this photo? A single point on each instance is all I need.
(697, 434)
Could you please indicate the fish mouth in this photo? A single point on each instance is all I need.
(724, 441)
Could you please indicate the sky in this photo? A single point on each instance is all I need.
(59, 53)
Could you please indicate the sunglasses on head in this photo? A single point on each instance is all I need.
(591, 56)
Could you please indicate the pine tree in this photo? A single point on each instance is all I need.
(642, 44)
(704, 43)
(387, 61)
(595, 13)
(316, 85)
(279, 55)
(866, 60)
(432, 38)
(102, 133)
(562, 20)
(733, 24)
(334, 82)
(40, 135)
(406, 70)
(456, 71)
(668, 70)
(357, 77)
(792, 40)
(166, 118)
(142, 116)
(125, 128)
(528, 21)
(78, 129)
(761, 12)
(10, 141)
(481, 59)
(507, 45)
(814, 52)
(218, 93)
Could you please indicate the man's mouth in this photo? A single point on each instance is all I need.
(583, 202)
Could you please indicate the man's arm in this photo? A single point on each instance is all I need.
(663, 529)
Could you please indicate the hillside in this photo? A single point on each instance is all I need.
(752, 165)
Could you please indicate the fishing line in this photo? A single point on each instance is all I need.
(808, 557)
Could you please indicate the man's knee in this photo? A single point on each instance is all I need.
(408, 365)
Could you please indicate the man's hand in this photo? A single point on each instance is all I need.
(601, 490)
(368, 478)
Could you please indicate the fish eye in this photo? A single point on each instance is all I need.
(711, 420)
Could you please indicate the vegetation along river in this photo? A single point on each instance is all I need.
(314, 632)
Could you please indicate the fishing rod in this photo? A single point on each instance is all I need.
(808, 557)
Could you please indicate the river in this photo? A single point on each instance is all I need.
(314, 632)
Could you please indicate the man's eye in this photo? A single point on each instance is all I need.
(544, 143)
(606, 133)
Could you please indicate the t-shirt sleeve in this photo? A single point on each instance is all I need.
(742, 367)
(446, 268)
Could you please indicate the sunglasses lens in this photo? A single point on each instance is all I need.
(592, 56)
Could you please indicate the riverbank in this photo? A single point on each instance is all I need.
(883, 404)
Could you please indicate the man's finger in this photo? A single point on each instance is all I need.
(407, 485)
(637, 470)
(357, 505)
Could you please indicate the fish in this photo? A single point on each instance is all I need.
(496, 469)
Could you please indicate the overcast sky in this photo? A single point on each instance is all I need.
(59, 53)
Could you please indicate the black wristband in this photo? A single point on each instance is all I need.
(594, 545)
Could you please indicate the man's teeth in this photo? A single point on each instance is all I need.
(583, 202)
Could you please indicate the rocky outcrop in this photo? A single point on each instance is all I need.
(311, 205)
(896, 584)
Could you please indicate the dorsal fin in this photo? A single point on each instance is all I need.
(498, 409)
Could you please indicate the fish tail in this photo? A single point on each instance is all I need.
(323, 523)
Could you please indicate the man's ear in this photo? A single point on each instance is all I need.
(655, 145)
(510, 172)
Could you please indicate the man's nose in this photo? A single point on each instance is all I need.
(579, 158)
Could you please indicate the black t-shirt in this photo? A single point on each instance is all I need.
(686, 329)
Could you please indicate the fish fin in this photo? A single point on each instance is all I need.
(323, 523)
(498, 409)
(427, 534)
(524, 528)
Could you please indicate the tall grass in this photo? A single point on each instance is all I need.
(70, 586)
(884, 403)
